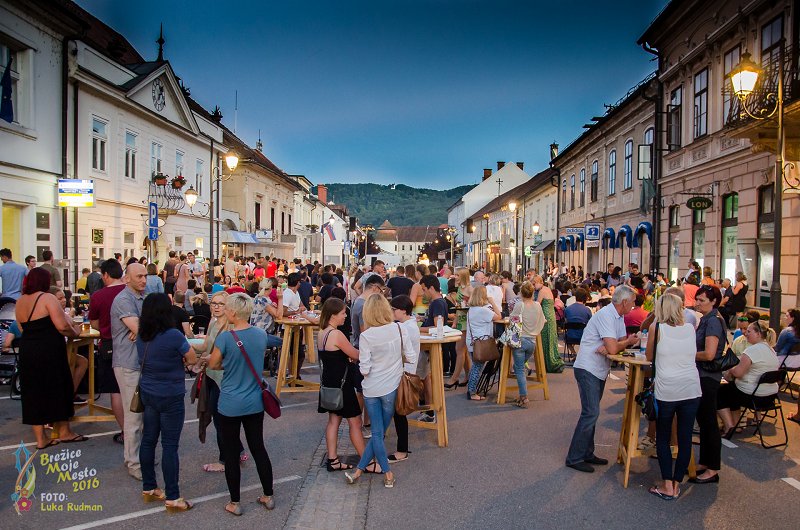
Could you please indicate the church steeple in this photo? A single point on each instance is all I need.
(161, 42)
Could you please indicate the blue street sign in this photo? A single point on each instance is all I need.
(153, 233)
(592, 232)
(355, 253)
(152, 215)
(347, 247)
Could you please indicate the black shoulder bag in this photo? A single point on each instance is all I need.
(724, 362)
(647, 397)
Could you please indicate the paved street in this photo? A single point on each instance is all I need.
(504, 468)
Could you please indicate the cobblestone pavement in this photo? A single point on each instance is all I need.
(325, 501)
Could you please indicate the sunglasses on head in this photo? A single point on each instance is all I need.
(743, 319)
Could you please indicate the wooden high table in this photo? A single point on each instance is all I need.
(95, 412)
(631, 415)
(533, 381)
(293, 328)
(434, 347)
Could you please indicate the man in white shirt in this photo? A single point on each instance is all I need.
(604, 335)
(197, 270)
(292, 304)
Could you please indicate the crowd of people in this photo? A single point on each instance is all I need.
(158, 324)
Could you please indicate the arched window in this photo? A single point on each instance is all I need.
(612, 172)
(563, 195)
(583, 187)
(628, 165)
(648, 136)
(572, 192)
(594, 182)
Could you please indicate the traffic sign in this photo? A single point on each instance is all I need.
(153, 233)
(592, 232)
(152, 220)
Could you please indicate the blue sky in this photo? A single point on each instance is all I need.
(421, 92)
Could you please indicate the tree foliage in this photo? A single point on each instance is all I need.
(402, 206)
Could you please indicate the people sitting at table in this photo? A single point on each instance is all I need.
(758, 359)
(637, 315)
(338, 356)
(480, 317)
(788, 339)
(577, 313)
(740, 343)
(676, 388)
(180, 317)
(531, 321)
(44, 373)
(163, 353)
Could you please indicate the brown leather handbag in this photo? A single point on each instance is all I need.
(484, 349)
(410, 387)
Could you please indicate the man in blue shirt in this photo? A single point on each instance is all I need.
(12, 274)
(437, 307)
(577, 313)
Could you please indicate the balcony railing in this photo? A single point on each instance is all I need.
(763, 99)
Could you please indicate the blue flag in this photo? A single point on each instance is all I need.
(6, 107)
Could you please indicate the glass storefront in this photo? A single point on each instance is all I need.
(674, 257)
(729, 253)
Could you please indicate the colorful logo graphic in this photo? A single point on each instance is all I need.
(26, 480)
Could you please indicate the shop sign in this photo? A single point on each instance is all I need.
(528, 251)
(592, 231)
(575, 230)
(699, 203)
(592, 244)
(75, 193)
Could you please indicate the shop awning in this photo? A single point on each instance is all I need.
(570, 242)
(643, 227)
(233, 236)
(562, 244)
(609, 240)
(543, 245)
(578, 244)
(626, 232)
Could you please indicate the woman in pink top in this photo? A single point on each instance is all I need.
(690, 288)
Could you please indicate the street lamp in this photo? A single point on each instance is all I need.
(330, 222)
(536, 229)
(743, 80)
(512, 207)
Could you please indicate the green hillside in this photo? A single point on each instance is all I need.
(404, 205)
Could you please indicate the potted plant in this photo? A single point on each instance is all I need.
(178, 182)
(159, 179)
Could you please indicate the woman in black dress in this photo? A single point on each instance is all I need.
(43, 366)
(336, 354)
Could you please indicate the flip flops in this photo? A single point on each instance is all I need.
(51, 443)
(655, 491)
(75, 439)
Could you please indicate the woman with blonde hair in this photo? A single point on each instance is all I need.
(420, 303)
(677, 389)
(531, 319)
(382, 345)
(482, 313)
(336, 355)
(758, 358)
(463, 293)
(544, 296)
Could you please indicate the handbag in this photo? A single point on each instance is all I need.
(484, 349)
(331, 398)
(410, 387)
(136, 402)
(272, 404)
(647, 397)
(511, 337)
(724, 362)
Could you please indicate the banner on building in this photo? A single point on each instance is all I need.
(75, 193)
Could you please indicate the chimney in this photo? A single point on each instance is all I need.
(322, 193)
(521, 165)
(487, 173)
(500, 165)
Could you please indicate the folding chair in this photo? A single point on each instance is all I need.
(790, 372)
(763, 411)
(567, 342)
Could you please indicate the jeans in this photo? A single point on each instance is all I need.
(127, 380)
(162, 416)
(213, 399)
(381, 410)
(522, 354)
(710, 438)
(254, 433)
(474, 375)
(686, 411)
(591, 391)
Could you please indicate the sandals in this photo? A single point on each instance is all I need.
(179, 505)
(393, 458)
(522, 402)
(51, 443)
(336, 465)
(793, 417)
(214, 468)
(661, 495)
(76, 438)
(153, 495)
(267, 502)
(233, 508)
(351, 479)
(475, 397)
(373, 467)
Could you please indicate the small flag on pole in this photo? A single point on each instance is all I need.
(329, 231)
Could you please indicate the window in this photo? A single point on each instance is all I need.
(572, 192)
(594, 182)
(178, 242)
(564, 196)
(612, 172)
(765, 201)
(699, 236)
(155, 157)
(628, 169)
(771, 37)
(583, 187)
(729, 63)
(283, 223)
(99, 142)
(130, 155)
(258, 216)
(199, 175)
(272, 218)
(178, 163)
(648, 136)
(701, 103)
(290, 223)
(675, 217)
(730, 230)
(7, 53)
(674, 124)
(764, 242)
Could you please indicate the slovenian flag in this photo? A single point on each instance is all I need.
(328, 230)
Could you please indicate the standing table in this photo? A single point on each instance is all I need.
(87, 338)
(293, 328)
(434, 347)
(534, 381)
(631, 415)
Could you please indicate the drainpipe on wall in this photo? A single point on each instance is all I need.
(64, 101)
(656, 159)
(75, 175)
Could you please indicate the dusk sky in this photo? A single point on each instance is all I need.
(421, 92)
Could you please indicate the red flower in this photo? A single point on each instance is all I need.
(24, 504)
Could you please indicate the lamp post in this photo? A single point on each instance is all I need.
(512, 207)
(536, 229)
(231, 160)
(451, 236)
(744, 78)
(330, 221)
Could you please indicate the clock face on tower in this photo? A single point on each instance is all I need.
(159, 98)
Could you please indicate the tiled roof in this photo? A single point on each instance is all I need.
(422, 234)
(540, 179)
